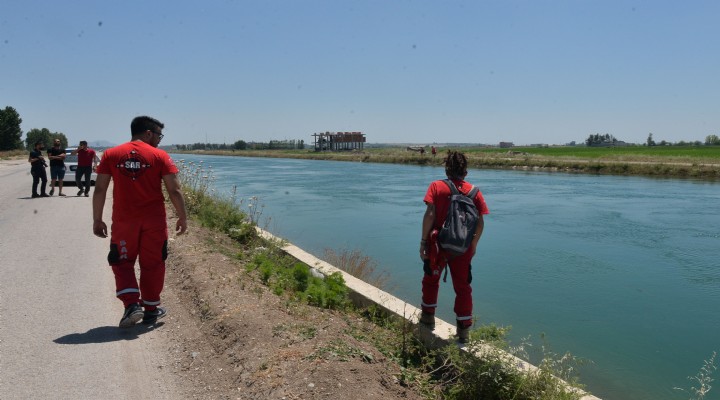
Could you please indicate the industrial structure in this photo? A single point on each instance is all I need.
(338, 141)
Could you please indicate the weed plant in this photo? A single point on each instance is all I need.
(358, 265)
(462, 374)
(286, 276)
(212, 210)
(703, 379)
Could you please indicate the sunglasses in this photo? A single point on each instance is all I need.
(160, 135)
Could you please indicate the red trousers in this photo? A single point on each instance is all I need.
(145, 240)
(460, 271)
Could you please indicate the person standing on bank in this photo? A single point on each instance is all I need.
(37, 170)
(86, 162)
(435, 258)
(139, 229)
(56, 155)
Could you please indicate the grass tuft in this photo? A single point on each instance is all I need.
(358, 265)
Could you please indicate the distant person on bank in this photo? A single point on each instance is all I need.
(37, 170)
(86, 163)
(56, 155)
(435, 259)
(139, 231)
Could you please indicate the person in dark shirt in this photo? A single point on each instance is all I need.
(37, 170)
(56, 154)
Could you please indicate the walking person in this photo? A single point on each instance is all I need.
(436, 258)
(139, 229)
(87, 161)
(37, 170)
(56, 155)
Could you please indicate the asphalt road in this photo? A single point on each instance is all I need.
(58, 312)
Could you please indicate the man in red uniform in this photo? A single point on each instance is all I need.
(437, 199)
(139, 227)
(86, 161)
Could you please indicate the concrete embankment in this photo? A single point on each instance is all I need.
(363, 293)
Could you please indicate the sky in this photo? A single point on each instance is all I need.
(425, 71)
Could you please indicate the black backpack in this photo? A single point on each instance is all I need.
(456, 234)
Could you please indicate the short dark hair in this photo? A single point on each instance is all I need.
(83, 143)
(144, 123)
(38, 142)
(455, 165)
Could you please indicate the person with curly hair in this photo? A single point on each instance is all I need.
(436, 259)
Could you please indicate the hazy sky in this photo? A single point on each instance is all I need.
(399, 71)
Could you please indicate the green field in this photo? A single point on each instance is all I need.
(699, 153)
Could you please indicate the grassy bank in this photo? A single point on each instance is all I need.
(659, 161)
(13, 154)
(445, 373)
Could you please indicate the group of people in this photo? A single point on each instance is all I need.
(87, 162)
(139, 169)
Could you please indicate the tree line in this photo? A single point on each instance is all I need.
(11, 134)
(600, 140)
(243, 145)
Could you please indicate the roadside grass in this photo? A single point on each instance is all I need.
(12, 154)
(445, 373)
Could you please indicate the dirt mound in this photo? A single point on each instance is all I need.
(229, 337)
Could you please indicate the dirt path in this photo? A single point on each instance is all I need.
(58, 313)
(232, 338)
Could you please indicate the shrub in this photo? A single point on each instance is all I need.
(284, 275)
(463, 375)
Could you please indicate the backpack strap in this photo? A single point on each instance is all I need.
(471, 194)
(451, 185)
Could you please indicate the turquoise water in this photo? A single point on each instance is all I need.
(622, 271)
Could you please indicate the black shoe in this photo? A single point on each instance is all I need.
(61, 194)
(34, 196)
(463, 334)
(52, 191)
(133, 313)
(44, 195)
(86, 193)
(80, 192)
(427, 319)
(151, 317)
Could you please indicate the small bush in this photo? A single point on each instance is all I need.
(463, 375)
(284, 275)
(330, 292)
(244, 234)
